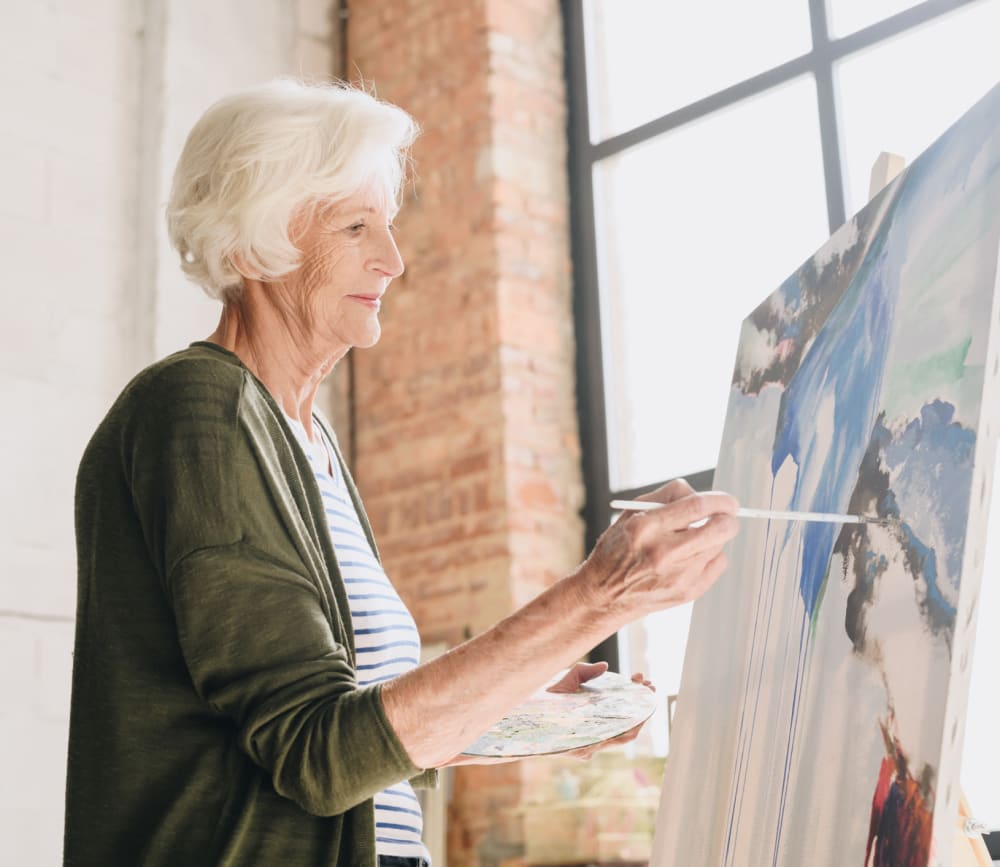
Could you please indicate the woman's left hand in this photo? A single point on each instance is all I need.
(578, 675)
(571, 682)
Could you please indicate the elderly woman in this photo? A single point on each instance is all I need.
(245, 686)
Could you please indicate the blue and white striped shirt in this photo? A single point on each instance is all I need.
(385, 636)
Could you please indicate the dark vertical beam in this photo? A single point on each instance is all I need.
(826, 101)
(586, 300)
(826, 52)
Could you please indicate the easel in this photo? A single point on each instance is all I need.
(969, 849)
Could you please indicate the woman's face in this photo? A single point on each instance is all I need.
(349, 257)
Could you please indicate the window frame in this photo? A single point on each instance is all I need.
(826, 51)
(584, 155)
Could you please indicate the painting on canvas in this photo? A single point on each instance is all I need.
(821, 705)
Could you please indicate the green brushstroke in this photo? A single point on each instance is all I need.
(912, 382)
(814, 619)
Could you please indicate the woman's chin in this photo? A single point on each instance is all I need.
(368, 339)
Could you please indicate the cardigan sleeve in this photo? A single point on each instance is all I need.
(250, 624)
(261, 652)
(428, 779)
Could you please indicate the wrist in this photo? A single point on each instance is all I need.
(594, 599)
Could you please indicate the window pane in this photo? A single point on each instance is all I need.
(655, 646)
(646, 58)
(847, 16)
(695, 228)
(902, 95)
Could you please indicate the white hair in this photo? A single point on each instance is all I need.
(257, 157)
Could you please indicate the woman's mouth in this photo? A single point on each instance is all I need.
(372, 301)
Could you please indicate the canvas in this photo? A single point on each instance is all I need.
(821, 706)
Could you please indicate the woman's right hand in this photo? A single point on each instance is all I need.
(647, 561)
(642, 563)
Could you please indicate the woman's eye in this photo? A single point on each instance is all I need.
(356, 227)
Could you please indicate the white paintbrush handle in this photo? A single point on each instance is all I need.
(743, 512)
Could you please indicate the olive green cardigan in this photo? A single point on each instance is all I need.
(215, 719)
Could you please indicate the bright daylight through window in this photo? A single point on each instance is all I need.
(716, 145)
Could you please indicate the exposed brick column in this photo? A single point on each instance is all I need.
(466, 434)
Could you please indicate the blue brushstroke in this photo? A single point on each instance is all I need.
(940, 611)
(921, 562)
(873, 568)
(920, 476)
(930, 449)
(846, 362)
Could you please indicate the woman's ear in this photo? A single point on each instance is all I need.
(241, 267)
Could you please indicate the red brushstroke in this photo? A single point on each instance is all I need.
(899, 834)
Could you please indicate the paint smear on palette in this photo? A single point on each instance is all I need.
(556, 722)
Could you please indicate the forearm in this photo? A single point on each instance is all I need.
(639, 565)
(443, 706)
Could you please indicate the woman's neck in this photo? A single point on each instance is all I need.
(277, 346)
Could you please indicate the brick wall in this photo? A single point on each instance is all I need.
(466, 441)
(97, 99)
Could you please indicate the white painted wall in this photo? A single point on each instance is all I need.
(96, 98)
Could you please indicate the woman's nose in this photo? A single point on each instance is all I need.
(389, 260)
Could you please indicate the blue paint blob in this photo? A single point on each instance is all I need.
(845, 364)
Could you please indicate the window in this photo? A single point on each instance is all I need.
(713, 146)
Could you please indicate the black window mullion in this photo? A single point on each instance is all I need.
(894, 25)
(836, 210)
(586, 304)
(700, 481)
(717, 101)
(586, 298)
(819, 61)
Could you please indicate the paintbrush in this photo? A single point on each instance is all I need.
(769, 514)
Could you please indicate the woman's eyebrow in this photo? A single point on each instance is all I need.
(357, 209)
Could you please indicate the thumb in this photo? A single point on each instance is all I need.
(579, 673)
(589, 670)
